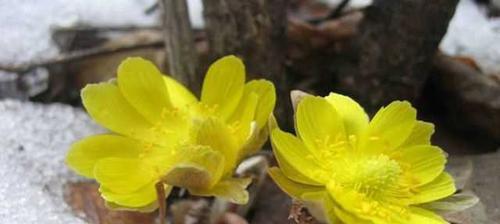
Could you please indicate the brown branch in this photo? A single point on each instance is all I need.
(393, 53)
(78, 55)
(254, 30)
(179, 43)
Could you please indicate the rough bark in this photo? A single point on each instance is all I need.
(394, 50)
(254, 30)
(179, 43)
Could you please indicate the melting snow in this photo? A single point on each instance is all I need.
(33, 143)
(471, 33)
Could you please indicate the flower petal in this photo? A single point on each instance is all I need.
(319, 125)
(145, 209)
(424, 163)
(243, 117)
(420, 135)
(419, 216)
(85, 153)
(216, 135)
(201, 168)
(255, 142)
(295, 160)
(143, 86)
(441, 187)
(123, 175)
(390, 127)
(355, 207)
(454, 203)
(180, 96)
(339, 215)
(354, 116)
(107, 106)
(143, 199)
(267, 99)
(292, 188)
(223, 85)
(231, 189)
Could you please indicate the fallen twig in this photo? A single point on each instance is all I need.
(77, 55)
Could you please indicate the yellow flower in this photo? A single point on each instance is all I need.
(163, 134)
(361, 171)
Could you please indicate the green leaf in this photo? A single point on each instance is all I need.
(454, 203)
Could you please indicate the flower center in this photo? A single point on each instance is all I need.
(371, 175)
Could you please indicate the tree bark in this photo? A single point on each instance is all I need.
(394, 50)
(182, 58)
(254, 30)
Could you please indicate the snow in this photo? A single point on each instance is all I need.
(196, 13)
(472, 34)
(26, 24)
(34, 142)
(353, 4)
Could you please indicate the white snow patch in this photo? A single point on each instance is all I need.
(25, 24)
(34, 141)
(196, 13)
(472, 34)
(353, 4)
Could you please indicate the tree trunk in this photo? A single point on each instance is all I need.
(182, 56)
(254, 30)
(394, 50)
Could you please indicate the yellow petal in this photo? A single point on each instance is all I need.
(420, 135)
(419, 216)
(339, 215)
(180, 96)
(257, 139)
(296, 96)
(354, 116)
(295, 160)
(202, 168)
(145, 209)
(292, 188)
(319, 125)
(144, 199)
(391, 126)
(355, 207)
(85, 153)
(424, 163)
(123, 175)
(231, 189)
(267, 99)
(243, 117)
(441, 187)
(216, 135)
(272, 123)
(143, 86)
(106, 105)
(223, 85)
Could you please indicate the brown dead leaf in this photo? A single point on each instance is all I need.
(84, 198)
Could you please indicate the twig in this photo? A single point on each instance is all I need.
(77, 55)
(160, 193)
(179, 38)
(105, 28)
